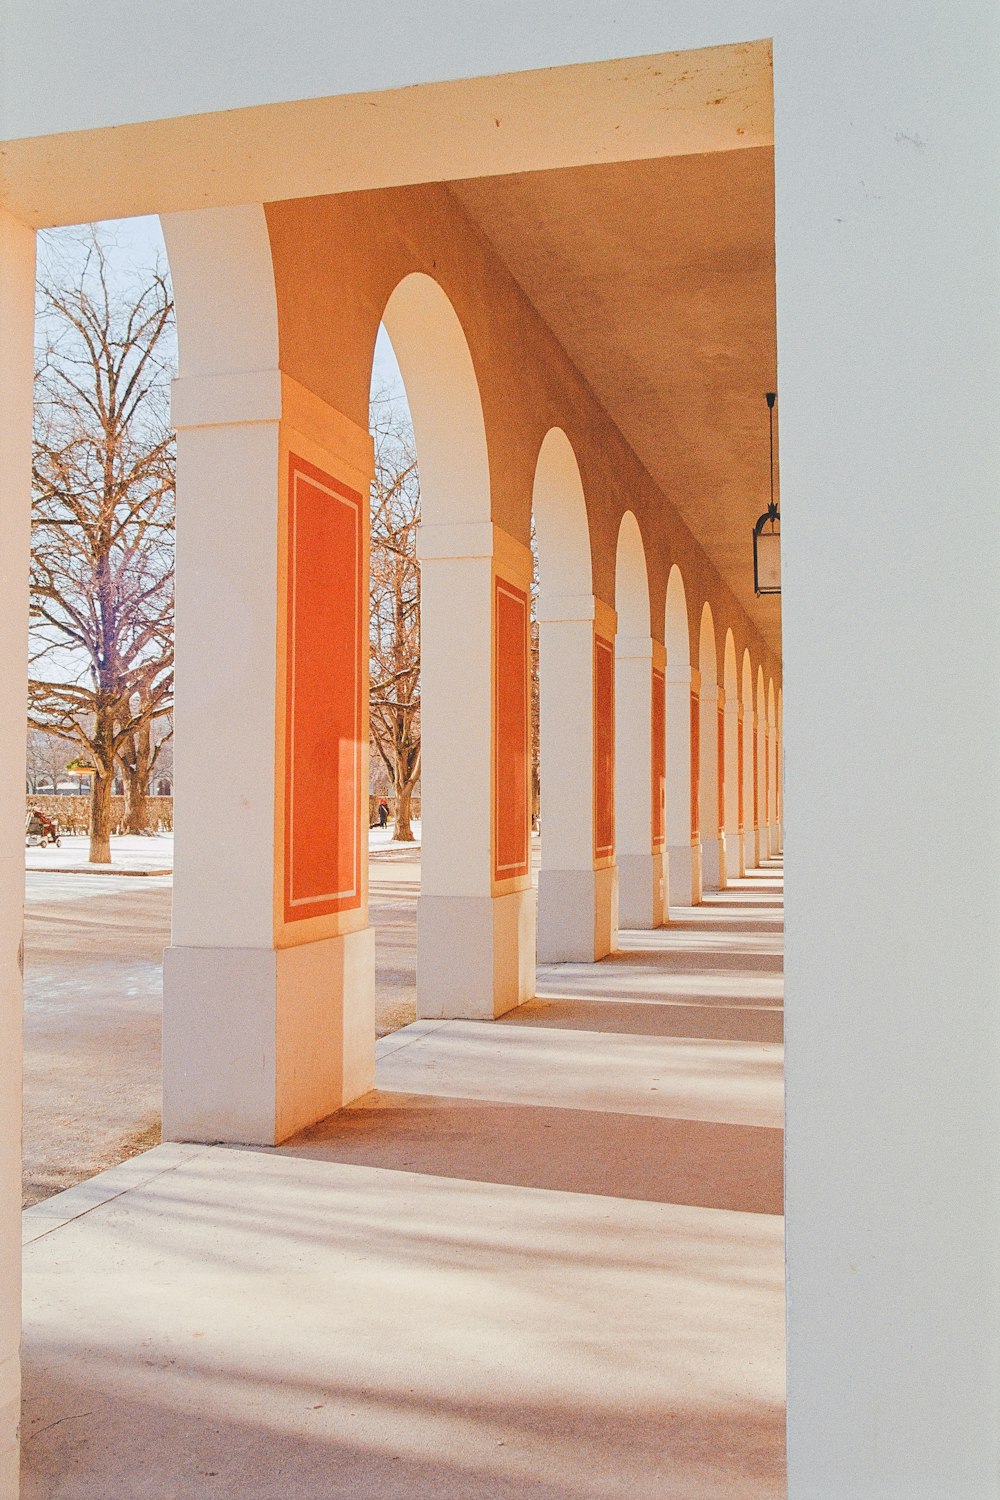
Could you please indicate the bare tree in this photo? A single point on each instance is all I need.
(48, 757)
(103, 515)
(394, 634)
(140, 753)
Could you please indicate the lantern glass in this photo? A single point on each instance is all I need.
(767, 560)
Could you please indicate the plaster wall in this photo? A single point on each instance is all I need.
(887, 159)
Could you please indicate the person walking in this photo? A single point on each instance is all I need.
(383, 812)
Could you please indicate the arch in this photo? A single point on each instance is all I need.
(224, 293)
(445, 405)
(576, 903)
(750, 851)
(708, 651)
(640, 883)
(732, 763)
(683, 841)
(772, 769)
(711, 758)
(779, 779)
(676, 632)
(760, 763)
(474, 844)
(729, 679)
(561, 526)
(631, 581)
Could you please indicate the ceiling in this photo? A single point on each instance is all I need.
(657, 277)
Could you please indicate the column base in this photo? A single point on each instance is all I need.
(713, 864)
(10, 1422)
(685, 874)
(475, 955)
(259, 1043)
(640, 891)
(577, 915)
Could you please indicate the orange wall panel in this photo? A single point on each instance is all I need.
(695, 767)
(511, 730)
(604, 748)
(324, 711)
(739, 773)
(720, 766)
(659, 757)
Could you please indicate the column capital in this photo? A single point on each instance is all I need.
(562, 608)
(225, 400)
(633, 648)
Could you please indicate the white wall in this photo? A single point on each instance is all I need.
(887, 309)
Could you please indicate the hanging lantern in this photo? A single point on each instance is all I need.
(767, 532)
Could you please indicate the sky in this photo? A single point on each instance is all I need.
(139, 242)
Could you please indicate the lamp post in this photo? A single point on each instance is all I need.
(767, 532)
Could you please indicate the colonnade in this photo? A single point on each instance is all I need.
(269, 980)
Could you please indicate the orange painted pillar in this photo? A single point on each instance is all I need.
(476, 910)
(577, 887)
(747, 742)
(713, 838)
(732, 761)
(682, 775)
(658, 780)
(760, 788)
(578, 879)
(641, 899)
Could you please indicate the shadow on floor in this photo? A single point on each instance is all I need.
(695, 1163)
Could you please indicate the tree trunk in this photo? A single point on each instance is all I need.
(101, 787)
(403, 833)
(100, 819)
(136, 768)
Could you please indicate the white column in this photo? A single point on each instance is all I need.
(749, 855)
(774, 837)
(577, 896)
(269, 981)
(476, 910)
(760, 790)
(732, 759)
(713, 838)
(640, 870)
(17, 306)
(893, 1081)
(683, 836)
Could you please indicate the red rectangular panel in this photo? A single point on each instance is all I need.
(720, 753)
(739, 773)
(604, 748)
(510, 730)
(323, 715)
(695, 767)
(659, 757)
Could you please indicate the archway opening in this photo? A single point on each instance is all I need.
(640, 898)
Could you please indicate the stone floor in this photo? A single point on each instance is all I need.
(543, 1259)
(93, 1001)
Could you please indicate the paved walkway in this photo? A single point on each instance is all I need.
(93, 999)
(543, 1260)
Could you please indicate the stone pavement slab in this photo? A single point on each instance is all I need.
(513, 1270)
